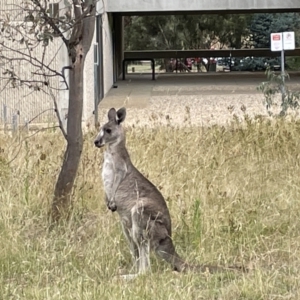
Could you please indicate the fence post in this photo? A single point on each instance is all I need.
(5, 116)
(26, 124)
(14, 123)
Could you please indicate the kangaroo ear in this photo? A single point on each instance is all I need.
(112, 115)
(121, 115)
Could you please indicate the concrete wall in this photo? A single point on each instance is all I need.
(89, 92)
(107, 33)
(26, 103)
(30, 104)
(107, 52)
(89, 96)
(199, 5)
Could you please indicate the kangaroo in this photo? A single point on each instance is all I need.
(143, 212)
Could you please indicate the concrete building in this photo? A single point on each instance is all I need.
(104, 61)
(22, 104)
(200, 6)
(112, 26)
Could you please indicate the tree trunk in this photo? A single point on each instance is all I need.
(62, 195)
(62, 202)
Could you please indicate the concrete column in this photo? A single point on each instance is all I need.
(108, 52)
(119, 42)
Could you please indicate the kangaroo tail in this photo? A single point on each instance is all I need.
(166, 251)
(181, 266)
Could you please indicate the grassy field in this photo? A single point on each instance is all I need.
(233, 195)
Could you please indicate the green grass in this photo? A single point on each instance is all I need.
(233, 194)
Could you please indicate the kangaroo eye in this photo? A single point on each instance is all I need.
(107, 130)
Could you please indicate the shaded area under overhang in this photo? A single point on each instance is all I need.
(158, 54)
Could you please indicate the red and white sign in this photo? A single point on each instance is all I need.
(283, 41)
(276, 42)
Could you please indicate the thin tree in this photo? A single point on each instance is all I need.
(28, 31)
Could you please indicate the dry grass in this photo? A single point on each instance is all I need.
(233, 193)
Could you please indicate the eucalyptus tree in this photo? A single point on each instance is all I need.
(28, 29)
(185, 31)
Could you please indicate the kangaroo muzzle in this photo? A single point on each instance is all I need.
(99, 143)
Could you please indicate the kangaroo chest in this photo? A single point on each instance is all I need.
(108, 173)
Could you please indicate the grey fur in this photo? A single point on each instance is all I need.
(143, 212)
(142, 209)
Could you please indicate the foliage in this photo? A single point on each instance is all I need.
(255, 64)
(293, 63)
(185, 31)
(205, 31)
(262, 25)
(277, 84)
(234, 199)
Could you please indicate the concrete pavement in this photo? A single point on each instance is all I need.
(137, 90)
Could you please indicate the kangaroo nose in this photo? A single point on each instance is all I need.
(98, 143)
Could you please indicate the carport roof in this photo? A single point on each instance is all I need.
(259, 52)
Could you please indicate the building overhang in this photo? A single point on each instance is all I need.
(137, 7)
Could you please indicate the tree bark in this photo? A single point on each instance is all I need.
(62, 202)
(62, 195)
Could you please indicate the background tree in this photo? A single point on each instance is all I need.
(152, 32)
(185, 31)
(179, 32)
(262, 25)
(27, 41)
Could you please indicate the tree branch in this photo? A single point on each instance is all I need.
(164, 36)
(58, 115)
(51, 22)
(23, 56)
(63, 75)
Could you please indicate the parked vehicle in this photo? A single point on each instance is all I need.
(256, 64)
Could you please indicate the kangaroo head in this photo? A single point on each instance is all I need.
(111, 132)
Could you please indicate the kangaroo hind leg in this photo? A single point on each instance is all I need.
(140, 236)
(132, 245)
(164, 248)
